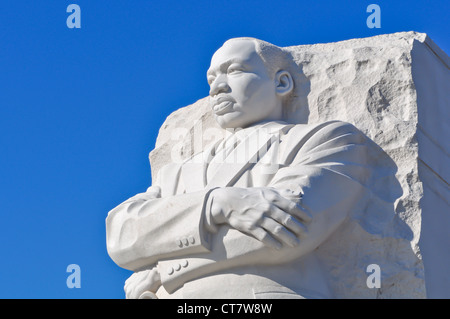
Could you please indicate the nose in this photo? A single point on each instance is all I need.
(219, 85)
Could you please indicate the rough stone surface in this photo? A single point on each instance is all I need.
(395, 89)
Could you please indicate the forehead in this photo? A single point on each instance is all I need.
(243, 51)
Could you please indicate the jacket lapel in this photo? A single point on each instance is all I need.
(246, 154)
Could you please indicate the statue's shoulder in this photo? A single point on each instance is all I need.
(328, 129)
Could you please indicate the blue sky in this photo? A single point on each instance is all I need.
(80, 110)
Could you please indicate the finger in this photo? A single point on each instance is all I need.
(148, 295)
(300, 212)
(279, 232)
(129, 293)
(292, 208)
(153, 280)
(132, 290)
(287, 220)
(265, 238)
(137, 291)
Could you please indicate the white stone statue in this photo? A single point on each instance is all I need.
(272, 207)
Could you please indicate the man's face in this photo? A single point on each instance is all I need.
(241, 90)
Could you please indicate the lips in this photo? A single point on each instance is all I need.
(222, 106)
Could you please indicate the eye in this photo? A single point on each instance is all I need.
(235, 69)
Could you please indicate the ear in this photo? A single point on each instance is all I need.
(284, 83)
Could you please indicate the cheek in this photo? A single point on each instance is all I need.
(249, 87)
(260, 92)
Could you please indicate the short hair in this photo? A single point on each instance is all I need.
(275, 59)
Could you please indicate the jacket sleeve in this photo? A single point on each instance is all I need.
(326, 168)
(147, 228)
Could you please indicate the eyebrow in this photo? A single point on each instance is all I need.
(224, 66)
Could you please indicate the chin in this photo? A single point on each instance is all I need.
(232, 120)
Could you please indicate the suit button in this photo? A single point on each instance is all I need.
(191, 239)
(177, 267)
(184, 263)
(179, 243)
(170, 271)
(185, 241)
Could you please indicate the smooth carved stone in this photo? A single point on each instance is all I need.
(394, 89)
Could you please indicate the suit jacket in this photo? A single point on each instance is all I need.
(326, 168)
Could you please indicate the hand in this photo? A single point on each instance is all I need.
(141, 282)
(260, 212)
(151, 193)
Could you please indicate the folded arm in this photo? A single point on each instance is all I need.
(328, 172)
(145, 229)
